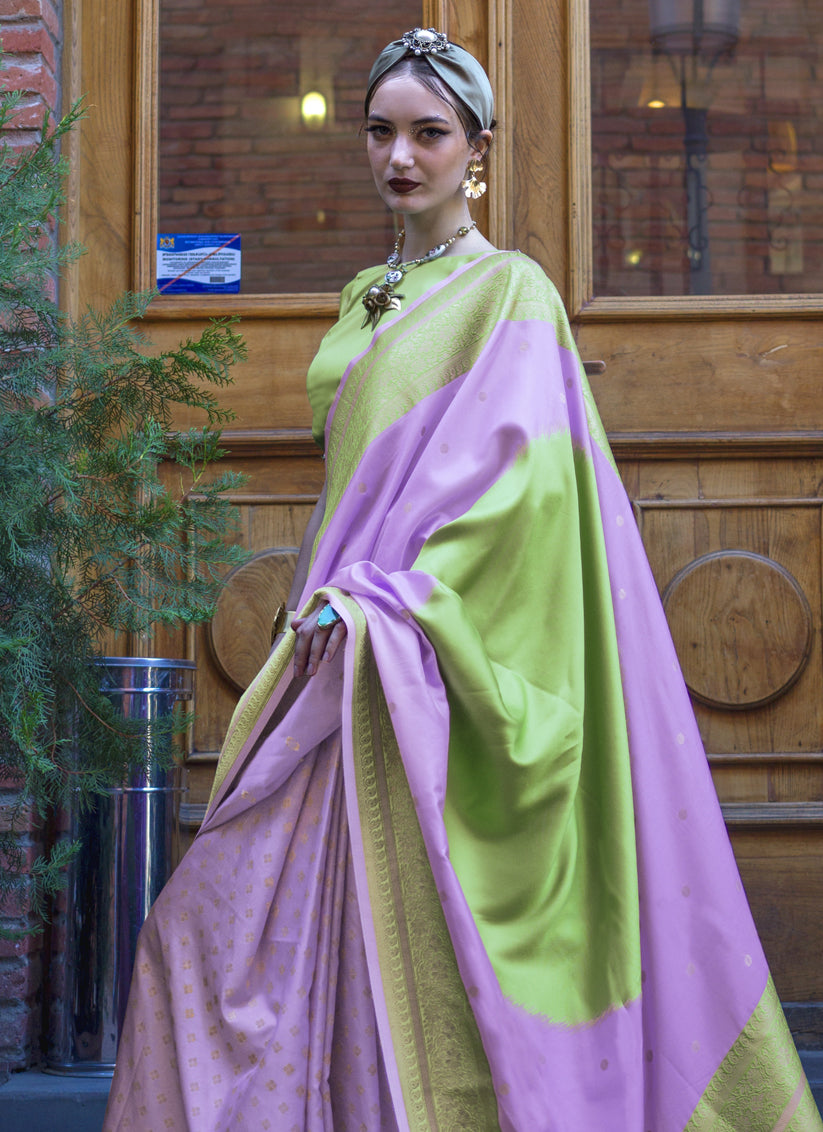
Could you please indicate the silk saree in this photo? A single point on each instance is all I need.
(473, 875)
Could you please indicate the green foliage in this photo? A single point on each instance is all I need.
(109, 520)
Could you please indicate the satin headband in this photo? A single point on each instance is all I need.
(459, 70)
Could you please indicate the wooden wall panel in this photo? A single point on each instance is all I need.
(737, 376)
(269, 390)
(781, 870)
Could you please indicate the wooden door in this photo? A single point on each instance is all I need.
(711, 402)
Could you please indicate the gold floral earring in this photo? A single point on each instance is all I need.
(473, 186)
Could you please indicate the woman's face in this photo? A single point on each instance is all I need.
(417, 147)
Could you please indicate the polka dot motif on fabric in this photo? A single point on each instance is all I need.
(685, 890)
(680, 738)
(482, 396)
(444, 448)
(682, 814)
(620, 520)
(361, 487)
(604, 1064)
(747, 959)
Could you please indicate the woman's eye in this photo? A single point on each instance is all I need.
(378, 131)
(431, 133)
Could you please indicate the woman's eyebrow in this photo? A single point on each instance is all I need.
(417, 122)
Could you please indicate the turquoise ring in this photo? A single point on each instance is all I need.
(328, 617)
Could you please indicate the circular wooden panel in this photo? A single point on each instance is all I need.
(742, 628)
(240, 631)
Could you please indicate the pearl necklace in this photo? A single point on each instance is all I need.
(382, 296)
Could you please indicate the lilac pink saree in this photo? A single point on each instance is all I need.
(473, 875)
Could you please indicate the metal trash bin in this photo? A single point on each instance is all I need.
(127, 842)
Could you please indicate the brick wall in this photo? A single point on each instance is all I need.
(764, 167)
(30, 36)
(234, 154)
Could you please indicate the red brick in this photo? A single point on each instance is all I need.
(181, 196)
(31, 9)
(20, 140)
(32, 78)
(20, 978)
(29, 114)
(23, 816)
(29, 39)
(19, 1028)
(223, 145)
(26, 944)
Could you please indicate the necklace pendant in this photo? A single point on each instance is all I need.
(381, 297)
(377, 300)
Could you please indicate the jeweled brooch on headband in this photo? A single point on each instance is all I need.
(425, 41)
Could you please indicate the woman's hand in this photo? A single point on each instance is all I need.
(314, 643)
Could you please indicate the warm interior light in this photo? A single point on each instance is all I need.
(634, 257)
(313, 110)
(655, 104)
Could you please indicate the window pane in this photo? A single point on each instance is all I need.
(242, 150)
(707, 166)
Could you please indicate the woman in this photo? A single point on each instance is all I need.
(463, 867)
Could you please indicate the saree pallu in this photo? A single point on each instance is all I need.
(472, 875)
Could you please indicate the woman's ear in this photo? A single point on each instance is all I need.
(481, 143)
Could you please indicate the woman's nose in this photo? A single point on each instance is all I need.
(401, 154)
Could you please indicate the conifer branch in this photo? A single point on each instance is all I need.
(92, 539)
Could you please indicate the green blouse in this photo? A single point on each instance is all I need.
(348, 338)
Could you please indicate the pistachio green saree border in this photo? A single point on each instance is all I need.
(444, 1073)
(759, 1085)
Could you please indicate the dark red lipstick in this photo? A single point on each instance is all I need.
(401, 185)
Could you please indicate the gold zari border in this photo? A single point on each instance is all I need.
(760, 1085)
(443, 1069)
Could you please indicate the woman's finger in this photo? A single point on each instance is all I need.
(318, 645)
(338, 635)
(304, 634)
(314, 644)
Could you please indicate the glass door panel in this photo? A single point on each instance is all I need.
(707, 167)
(260, 107)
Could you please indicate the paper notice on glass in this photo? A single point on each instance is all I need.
(200, 263)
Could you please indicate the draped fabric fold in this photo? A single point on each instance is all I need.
(473, 874)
